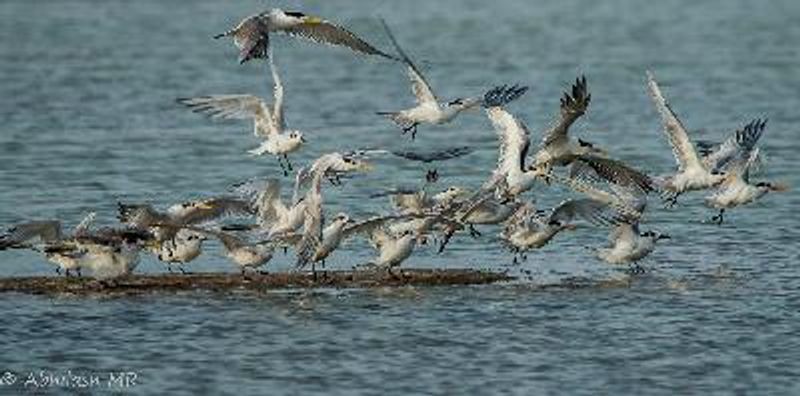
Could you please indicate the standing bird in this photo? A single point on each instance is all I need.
(428, 109)
(392, 249)
(692, 173)
(269, 122)
(557, 148)
(183, 248)
(251, 35)
(246, 255)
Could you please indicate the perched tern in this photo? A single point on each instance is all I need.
(183, 248)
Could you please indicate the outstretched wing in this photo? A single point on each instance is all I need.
(47, 231)
(682, 147)
(514, 139)
(419, 85)
(251, 37)
(234, 107)
(326, 32)
(741, 142)
(593, 211)
(434, 156)
(278, 121)
(617, 172)
(572, 107)
(207, 210)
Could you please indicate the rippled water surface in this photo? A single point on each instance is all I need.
(89, 118)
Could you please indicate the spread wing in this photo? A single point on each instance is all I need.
(312, 227)
(433, 156)
(682, 147)
(617, 172)
(251, 37)
(572, 107)
(419, 85)
(325, 32)
(368, 226)
(514, 139)
(278, 121)
(207, 210)
(593, 211)
(265, 196)
(743, 141)
(46, 231)
(238, 107)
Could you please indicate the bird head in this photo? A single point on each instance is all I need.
(297, 136)
(342, 218)
(352, 164)
(779, 187)
(587, 147)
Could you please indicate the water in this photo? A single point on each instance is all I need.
(89, 118)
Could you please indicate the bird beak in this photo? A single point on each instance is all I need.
(303, 139)
(365, 167)
(779, 187)
(570, 227)
(663, 236)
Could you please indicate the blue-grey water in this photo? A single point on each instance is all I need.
(88, 118)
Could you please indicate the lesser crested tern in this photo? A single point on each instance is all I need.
(557, 147)
(251, 35)
(428, 109)
(269, 121)
(692, 174)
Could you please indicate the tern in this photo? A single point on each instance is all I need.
(49, 233)
(313, 223)
(183, 248)
(428, 109)
(692, 173)
(514, 138)
(275, 218)
(246, 255)
(557, 148)
(736, 189)
(269, 121)
(251, 35)
(530, 229)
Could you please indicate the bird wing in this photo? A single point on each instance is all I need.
(85, 225)
(514, 139)
(593, 211)
(614, 171)
(46, 230)
(368, 226)
(419, 85)
(312, 226)
(264, 196)
(433, 156)
(624, 235)
(742, 141)
(572, 107)
(234, 107)
(251, 37)
(207, 210)
(278, 120)
(326, 32)
(622, 206)
(682, 148)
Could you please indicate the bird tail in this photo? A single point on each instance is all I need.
(397, 118)
(260, 150)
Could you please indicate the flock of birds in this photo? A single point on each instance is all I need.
(609, 192)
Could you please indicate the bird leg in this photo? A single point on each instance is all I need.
(183, 271)
(473, 232)
(58, 270)
(78, 270)
(718, 219)
(445, 240)
(288, 163)
(283, 167)
(671, 201)
(66, 273)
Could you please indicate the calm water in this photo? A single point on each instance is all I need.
(89, 118)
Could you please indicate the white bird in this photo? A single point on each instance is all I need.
(251, 35)
(269, 122)
(164, 225)
(333, 163)
(183, 248)
(246, 255)
(514, 140)
(108, 262)
(50, 235)
(736, 189)
(428, 109)
(627, 245)
(530, 229)
(692, 173)
(392, 249)
(557, 148)
(275, 218)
